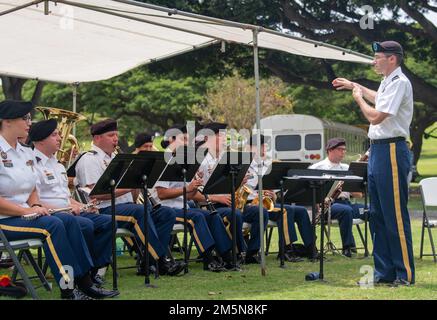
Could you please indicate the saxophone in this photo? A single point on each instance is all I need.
(241, 196)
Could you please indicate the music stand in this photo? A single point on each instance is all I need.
(275, 180)
(359, 168)
(130, 171)
(228, 174)
(311, 184)
(182, 167)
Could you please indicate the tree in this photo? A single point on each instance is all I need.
(138, 100)
(336, 22)
(232, 101)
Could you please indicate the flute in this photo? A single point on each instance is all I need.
(33, 216)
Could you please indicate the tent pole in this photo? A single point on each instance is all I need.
(258, 145)
(75, 85)
(21, 7)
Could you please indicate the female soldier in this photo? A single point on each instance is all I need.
(67, 254)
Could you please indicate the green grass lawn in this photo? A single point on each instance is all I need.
(341, 275)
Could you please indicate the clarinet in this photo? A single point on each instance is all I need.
(209, 204)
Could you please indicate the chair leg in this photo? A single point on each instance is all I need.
(190, 246)
(422, 237)
(432, 244)
(40, 258)
(30, 260)
(178, 243)
(268, 240)
(430, 238)
(15, 271)
(361, 235)
(19, 269)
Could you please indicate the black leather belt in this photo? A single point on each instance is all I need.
(388, 140)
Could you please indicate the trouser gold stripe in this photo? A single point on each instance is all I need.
(202, 249)
(285, 227)
(228, 227)
(49, 243)
(139, 232)
(397, 201)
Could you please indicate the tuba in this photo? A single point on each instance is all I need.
(66, 119)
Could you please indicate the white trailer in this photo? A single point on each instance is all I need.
(299, 137)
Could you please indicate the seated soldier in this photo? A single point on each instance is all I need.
(143, 142)
(65, 248)
(129, 215)
(215, 141)
(53, 191)
(208, 229)
(293, 213)
(342, 209)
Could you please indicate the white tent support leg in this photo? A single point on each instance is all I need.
(258, 144)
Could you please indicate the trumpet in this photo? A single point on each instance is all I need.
(33, 216)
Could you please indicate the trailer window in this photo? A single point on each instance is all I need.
(313, 142)
(288, 143)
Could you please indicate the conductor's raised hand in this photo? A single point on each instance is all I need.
(342, 84)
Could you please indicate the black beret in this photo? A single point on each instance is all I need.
(143, 138)
(388, 47)
(14, 109)
(215, 127)
(334, 143)
(41, 130)
(253, 140)
(103, 127)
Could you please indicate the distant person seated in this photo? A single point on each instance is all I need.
(342, 209)
(144, 142)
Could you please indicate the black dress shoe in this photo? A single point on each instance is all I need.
(290, 257)
(98, 293)
(401, 282)
(213, 266)
(252, 259)
(76, 294)
(170, 268)
(98, 280)
(347, 252)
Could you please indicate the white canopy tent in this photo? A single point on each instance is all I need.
(90, 40)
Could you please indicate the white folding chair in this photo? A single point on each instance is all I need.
(428, 190)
